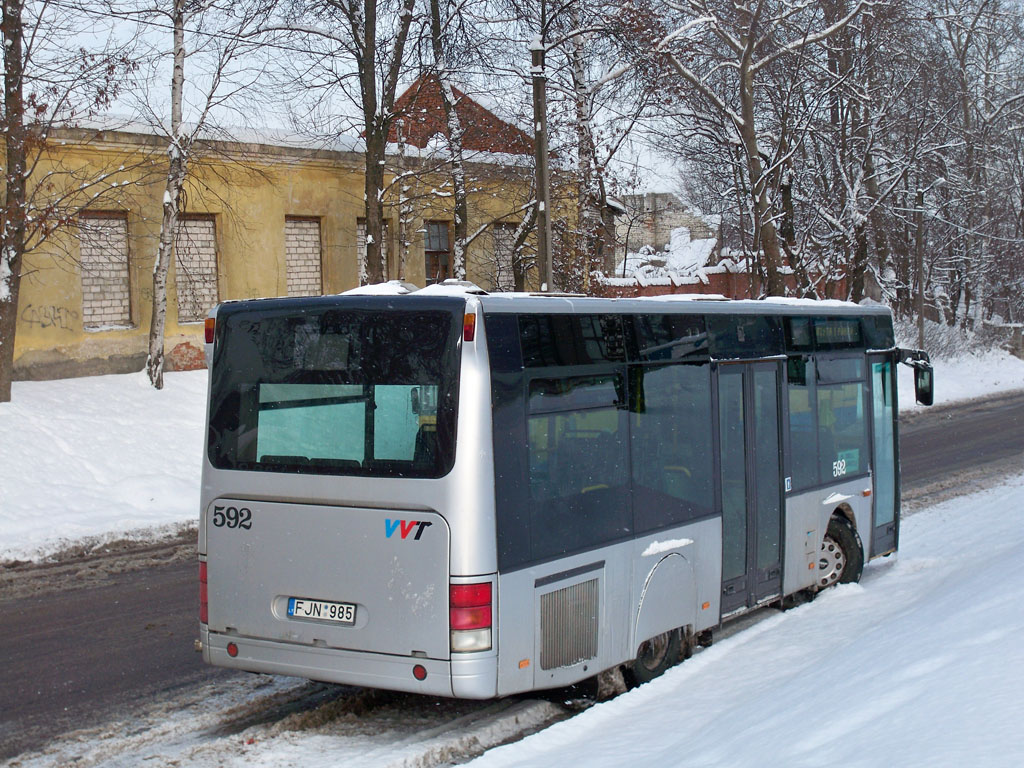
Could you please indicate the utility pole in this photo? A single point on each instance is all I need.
(919, 265)
(540, 144)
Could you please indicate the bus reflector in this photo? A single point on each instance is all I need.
(469, 327)
(419, 672)
(232, 650)
(209, 326)
(204, 605)
(469, 617)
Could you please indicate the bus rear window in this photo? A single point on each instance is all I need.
(335, 391)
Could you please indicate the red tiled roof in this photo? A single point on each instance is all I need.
(422, 112)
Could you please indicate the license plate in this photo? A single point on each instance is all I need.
(341, 613)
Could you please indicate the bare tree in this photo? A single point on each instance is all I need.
(223, 38)
(348, 59)
(49, 83)
(730, 60)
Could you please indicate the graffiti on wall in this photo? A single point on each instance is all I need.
(50, 316)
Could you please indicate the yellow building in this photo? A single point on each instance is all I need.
(259, 219)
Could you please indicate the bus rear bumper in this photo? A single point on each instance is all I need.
(474, 680)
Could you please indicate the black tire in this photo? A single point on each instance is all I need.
(842, 555)
(654, 657)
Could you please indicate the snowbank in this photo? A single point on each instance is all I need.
(105, 456)
(966, 378)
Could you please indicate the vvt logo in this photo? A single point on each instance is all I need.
(404, 527)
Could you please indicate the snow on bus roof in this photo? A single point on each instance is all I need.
(532, 301)
(390, 288)
(700, 302)
(795, 302)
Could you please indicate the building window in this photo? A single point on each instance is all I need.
(103, 246)
(302, 256)
(503, 237)
(195, 263)
(437, 251)
(361, 242)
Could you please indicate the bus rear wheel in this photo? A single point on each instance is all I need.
(842, 558)
(654, 657)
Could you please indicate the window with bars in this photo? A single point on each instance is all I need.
(437, 251)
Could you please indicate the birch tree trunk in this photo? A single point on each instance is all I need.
(13, 236)
(177, 169)
(454, 142)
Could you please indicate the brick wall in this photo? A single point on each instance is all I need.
(106, 295)
(422, 112)
(195, 261)
(302, 257)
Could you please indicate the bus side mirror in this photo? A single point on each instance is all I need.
(923, 384)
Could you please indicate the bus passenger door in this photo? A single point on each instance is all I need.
(748, 420)
(883, 454)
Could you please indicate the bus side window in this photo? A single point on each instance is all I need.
(803, 430)
(672, 450)
(578, 463)
(842, 431)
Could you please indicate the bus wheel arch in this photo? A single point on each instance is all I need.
(841, 559)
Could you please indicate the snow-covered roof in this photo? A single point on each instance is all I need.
(285, 139)
(682, 257)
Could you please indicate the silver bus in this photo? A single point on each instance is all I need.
(473, 495)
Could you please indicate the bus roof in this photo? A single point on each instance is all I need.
(517, 303)
(682, 304)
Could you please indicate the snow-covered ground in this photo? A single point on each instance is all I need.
(97, 458)
(108, 457)
(920, 664)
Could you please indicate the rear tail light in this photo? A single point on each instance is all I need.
(469, 617)
(469, 327)
(204, 605)
(210, 326)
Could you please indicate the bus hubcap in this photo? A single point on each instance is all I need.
(652, 653)
(831, 563)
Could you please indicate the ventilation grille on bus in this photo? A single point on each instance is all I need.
(568, 625)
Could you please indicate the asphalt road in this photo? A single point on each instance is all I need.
(73, 658)
(936, 444)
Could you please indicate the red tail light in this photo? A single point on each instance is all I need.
(204, 605)
(469, 327)
(470, 606)
(210, 326)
